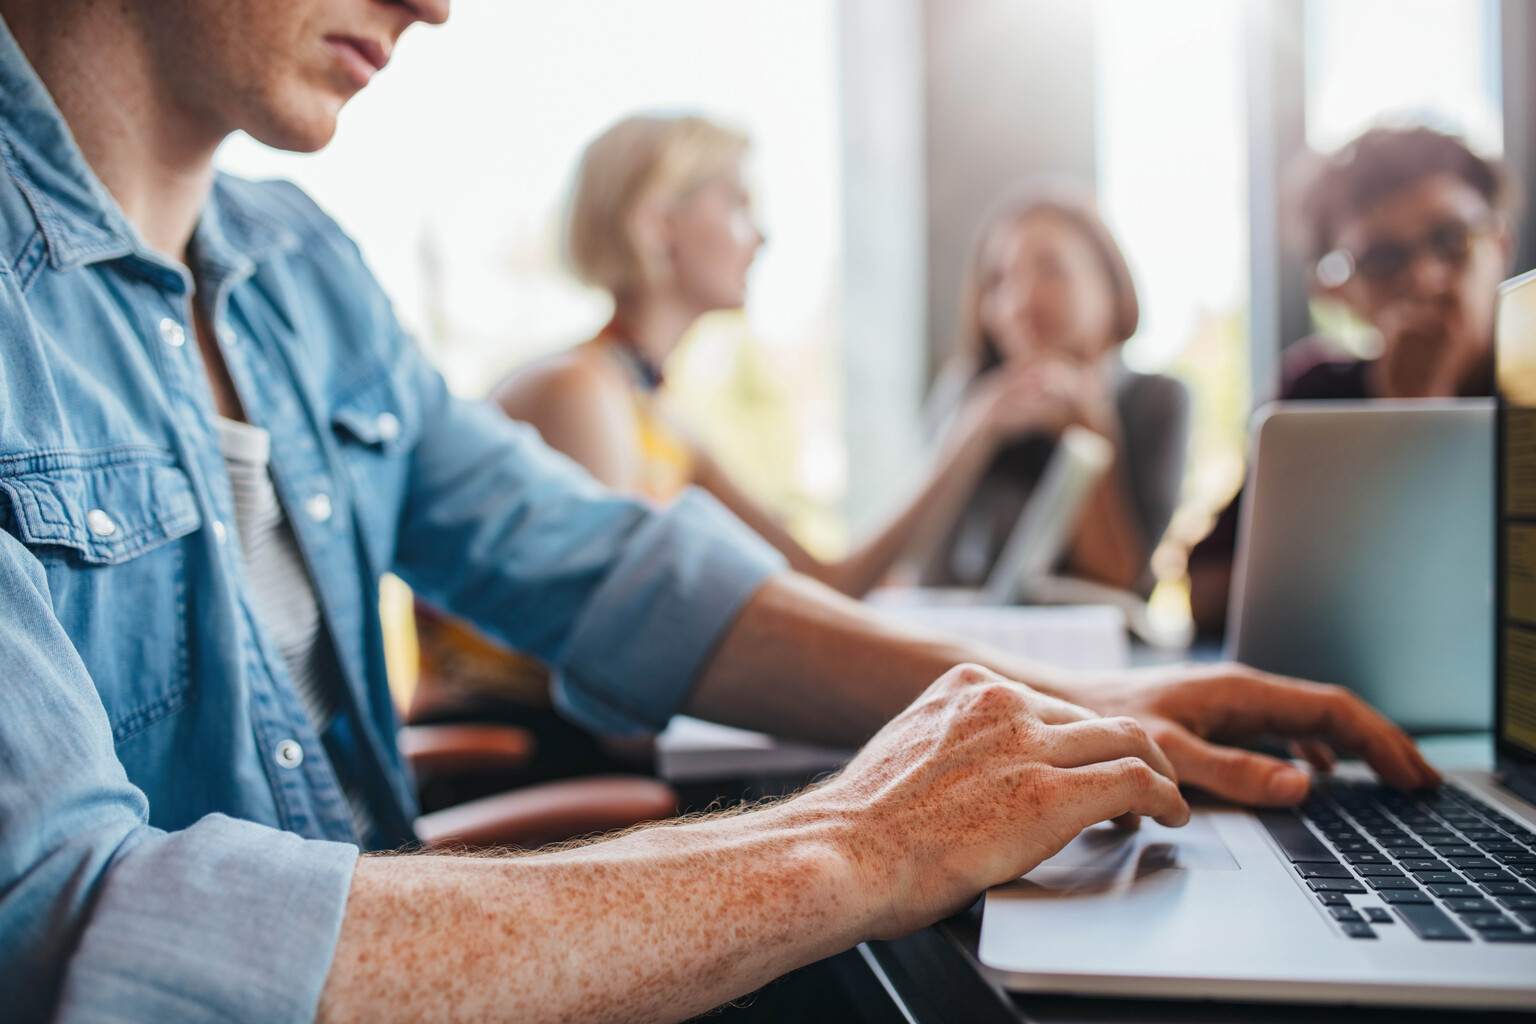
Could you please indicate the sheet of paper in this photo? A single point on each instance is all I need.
(1087, 637)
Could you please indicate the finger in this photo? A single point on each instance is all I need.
(1316, 753)
(1055, 711)
(1113, 789)
(1239, 775)
(1292, 708)
(1107, 739)
(1127, 822)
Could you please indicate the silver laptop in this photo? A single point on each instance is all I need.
(1363, 895)
(1365, 555)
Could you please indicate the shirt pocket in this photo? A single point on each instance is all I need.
(103, 524)
(377, 424)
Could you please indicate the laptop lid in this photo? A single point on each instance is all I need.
(1364, 555)
(1515, 532)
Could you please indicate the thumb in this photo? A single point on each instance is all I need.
(1234, 774)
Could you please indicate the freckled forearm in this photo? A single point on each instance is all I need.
(657, 925)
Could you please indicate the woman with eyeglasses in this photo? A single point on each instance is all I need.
(1410, 233)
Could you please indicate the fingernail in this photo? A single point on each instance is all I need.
(1288, 785)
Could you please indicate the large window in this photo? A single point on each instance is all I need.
(451, 169)
(1432, 62)
(1172, 178)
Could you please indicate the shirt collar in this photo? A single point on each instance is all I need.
(233, 235)
(80, 221)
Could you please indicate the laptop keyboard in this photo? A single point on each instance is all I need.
(1445, 864)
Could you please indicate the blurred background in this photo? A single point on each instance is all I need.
(882, 129)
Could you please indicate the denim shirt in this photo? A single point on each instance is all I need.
(174, 839)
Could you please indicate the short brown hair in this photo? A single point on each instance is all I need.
(1329, 190)
(1030, 197)
(641, 159)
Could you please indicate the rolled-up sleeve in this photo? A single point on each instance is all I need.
(103, 918)
(626, 601)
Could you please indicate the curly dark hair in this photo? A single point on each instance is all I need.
(1328, 190)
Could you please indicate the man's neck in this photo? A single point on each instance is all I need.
(655, 323)
(152, 154)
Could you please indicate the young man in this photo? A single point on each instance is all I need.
(214, 437)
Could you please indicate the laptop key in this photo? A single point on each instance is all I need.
(1298, 842)
(1378, 915)
(1489, 922)
(1451, 853)
(1335, 885)
(1489, 875)
(1432, 923)
(1359, 931)
(1509, 936)
(1462, 863)
(1392, 883)
(1347, 914)
(1323, 871)
(1455, 890)
(1471, 905)
(1378, 870)
(1438, 877)
(1423, 864)
(1333, 899)
(1365, 857)
(1520, 902)
(1397, 896)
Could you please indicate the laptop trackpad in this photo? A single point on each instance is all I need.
(1105, 856)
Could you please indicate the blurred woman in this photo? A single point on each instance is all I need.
(660, 219)
(1410, 232)
(1048, 303)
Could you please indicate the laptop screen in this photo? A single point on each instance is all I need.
(1515, 685)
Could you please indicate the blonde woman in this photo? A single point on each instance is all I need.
(1048, 302)
(660, 219)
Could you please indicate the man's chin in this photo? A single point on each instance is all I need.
(303, 132)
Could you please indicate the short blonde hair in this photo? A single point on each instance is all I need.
(638, 164)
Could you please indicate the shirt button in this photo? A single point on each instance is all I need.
(228, 336)
(172, 332)
(220, 532)
(100, 523)
(289, 754)
(388, 426)
(318, 507)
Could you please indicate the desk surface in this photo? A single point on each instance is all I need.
(934, 977)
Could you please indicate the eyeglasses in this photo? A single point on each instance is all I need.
(1386, 262)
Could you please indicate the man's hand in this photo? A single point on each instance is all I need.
(1192, 711)
(978, 781)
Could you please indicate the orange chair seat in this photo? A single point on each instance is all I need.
(549, 812)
